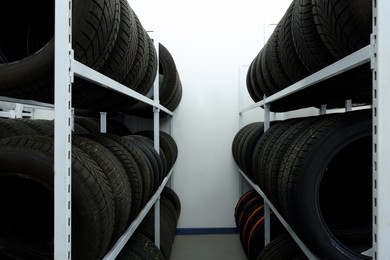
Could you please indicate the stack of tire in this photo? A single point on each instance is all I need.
(317, 172)
(140, 247)
(170, 208)
(311, 35)
(107, 36)
(250, 217)
(170, 87)
(113, 177)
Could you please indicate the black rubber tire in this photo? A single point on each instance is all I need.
(282, 247)
(272, 60)
(141, 246)
(236, 141)
(251, 84)
(279, 143)
(246, 209)
(12, 127)
(123, 54)
(169, 84)
(147, 228)
(170, 87)
(252, 193)
(290, 61)
(27, 161)
(131, 168)
(170, 214)
(168, 69)
(117, 65)
(117, 178)
(91, 124)
(40, 126)
(246, 132)
(252, 229)
(264, 88)
(28, 69)
(152, 156)
(146, 84)
(308, 43)
(117, 127)
(248, 147)
(270, 85)
(161, 155)
(170, 194)
(143, 163)
(344, 26)
(261, 154)
(140, 64)
(172, 103)
(167, 144)
(46, 127)
(325, 185)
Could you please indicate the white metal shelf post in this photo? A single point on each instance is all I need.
(381, 129)
(156, 140)
(62, 129)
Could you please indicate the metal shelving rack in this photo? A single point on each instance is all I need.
(66, 67)
(378, 54)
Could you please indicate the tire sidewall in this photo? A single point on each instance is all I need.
(311, 223)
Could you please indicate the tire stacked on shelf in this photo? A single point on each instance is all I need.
(170, 208)
(168, 146)
(170, 87)
(282, 247)
(27, 176)
(317, 172)
(243, 145)
(140, 247)
(310, 36)
(249, 217)
(337, 201)
(82, 125)
(135, 248)
(113, 178)
(108, 37)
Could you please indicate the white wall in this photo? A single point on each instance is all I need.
(210, 40)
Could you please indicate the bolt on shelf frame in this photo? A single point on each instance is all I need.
(66, 67)
(351, 61)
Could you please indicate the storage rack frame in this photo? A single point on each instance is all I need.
(66, 67)
(378, 54)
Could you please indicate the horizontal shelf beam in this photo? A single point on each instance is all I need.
(33, 103)
(353, 60)
(96, 77)
(115, 250)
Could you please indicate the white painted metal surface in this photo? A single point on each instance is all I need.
(381, 129)
(351, 61)
(62, 129)
(96, 77)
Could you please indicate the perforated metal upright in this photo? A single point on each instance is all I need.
(381, 129)
(62, 129)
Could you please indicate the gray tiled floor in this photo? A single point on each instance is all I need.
(207, 247)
